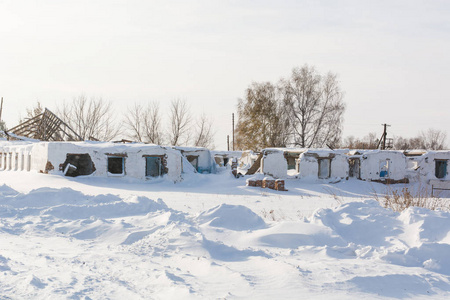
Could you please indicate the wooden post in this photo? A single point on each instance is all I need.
(1, 109)
(233, 129)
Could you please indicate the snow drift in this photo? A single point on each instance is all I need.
(61, 243)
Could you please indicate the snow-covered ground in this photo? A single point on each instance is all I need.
(212, 237)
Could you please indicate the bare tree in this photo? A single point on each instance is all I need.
(134, 122)
(91, 119)
(152, 124)
(145, 123)
(349, 142)
(32, 112)
(315, 107)
(433, 139)
(369, 141)
(401, 143)
(180, 123)
(204, 135)
(414, 143)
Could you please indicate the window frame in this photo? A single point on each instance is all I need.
(445, 163)
(123, 166)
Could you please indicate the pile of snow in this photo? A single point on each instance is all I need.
(69, 204)
(233, 217)
(7, 191)
(417, 237)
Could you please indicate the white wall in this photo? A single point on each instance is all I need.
(21, 151)
(205, 161)
(427, 165)
(56, 152)
(274, 164)
(134, 157)
(340, 166)
(309, 164)
(370, 165)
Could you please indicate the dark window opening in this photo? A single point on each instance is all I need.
(291, 163)
(193, 159)
(154, 166)
(441, 168)
(292, 160)
(225, 161)
(116, 165)
(78, 164)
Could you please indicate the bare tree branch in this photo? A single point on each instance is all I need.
(180, 123)
(152, 124)
(433, 139)
(133, 121)
(315, 107)
(93, 118)
(204, 135)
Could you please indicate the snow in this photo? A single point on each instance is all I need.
(37, 156)
(204, 159)
(274, 164)
(425, 165)
(372, 162)
(210, 236)
(233, 217)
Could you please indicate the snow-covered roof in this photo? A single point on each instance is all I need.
(227, 153)
(414, 152)
(189, 149)
(87, 144)
(284, 150)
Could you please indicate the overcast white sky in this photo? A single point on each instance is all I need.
(392, 57)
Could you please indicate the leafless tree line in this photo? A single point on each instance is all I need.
(305, 109)
(370, 141)
(91, 118)
(95, 119)
(431, 139)
(145, 125)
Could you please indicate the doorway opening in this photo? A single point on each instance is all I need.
(78, 164)
(324, 168)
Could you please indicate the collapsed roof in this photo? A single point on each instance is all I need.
(45, 127)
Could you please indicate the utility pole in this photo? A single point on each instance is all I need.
(232, 116)
(383, 137)
(228, 142)
(1, 109)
